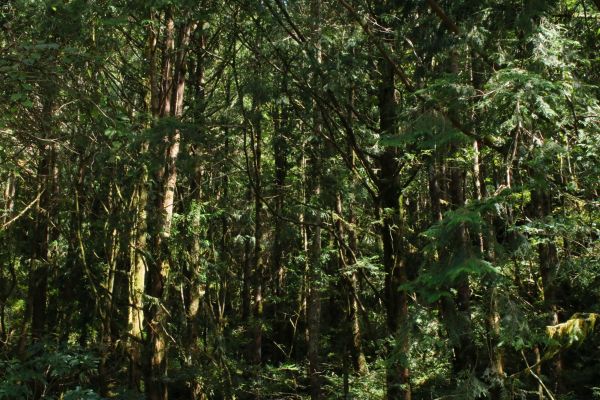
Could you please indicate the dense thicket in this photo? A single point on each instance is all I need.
(278, 199)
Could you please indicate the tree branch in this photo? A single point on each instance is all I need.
(19, 215)
(450, 25)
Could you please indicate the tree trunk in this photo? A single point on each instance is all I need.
(465, 352)
(44, 233)
(280, 151)
(314, 298)
(397, 375)
(314, 251)
(110, 251)
(138, 237)
(9, 198)
(42, 237)
(548, 261)
(137, 278)
(171, 102)
(347, 256)
(486, 251)
(193, 287)
(7, 288)
(257, 262)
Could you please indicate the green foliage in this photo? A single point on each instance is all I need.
(427, 132)
(470, 387)
(288, 107)
(574, 331)
(81, 394)
(55, 372)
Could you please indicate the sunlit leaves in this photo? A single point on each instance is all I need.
(573, 331)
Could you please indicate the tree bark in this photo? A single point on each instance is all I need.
(44, 232)
(314, 297)
(138, 237)
(397, 375)
(7, 288)
(314, 251)
(172, 93)
(548, 262)
(280, 152)
(41, 239)
(465, 352)
(194, 288)
(257, 262)
(137, 278)
(347, 256)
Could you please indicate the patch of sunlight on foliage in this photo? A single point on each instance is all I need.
(369, 386)
(574, 331)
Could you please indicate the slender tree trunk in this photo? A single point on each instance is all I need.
(173, 87)
(358, 356)
(139, 233)
(314, 251)
(302, 318)
(397, 374)
(110, 251)
(486, 250)
(66, 318)
(455, 312)
(137, 277)
(465, 353)
(280, 151)
(247, 271)
(348, 260)
(257, 262)
(44, 232)
(281, 331)
(42, 237)
(548, 262)
(9, 198)
(314, 298)
(7, 286)
(394, 262)
(193, 288)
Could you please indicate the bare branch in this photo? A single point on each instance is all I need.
(19, 215)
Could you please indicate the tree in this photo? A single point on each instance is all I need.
(356, 199)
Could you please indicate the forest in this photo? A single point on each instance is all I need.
(299, 199)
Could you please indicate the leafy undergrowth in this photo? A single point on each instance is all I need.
(49, 372)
